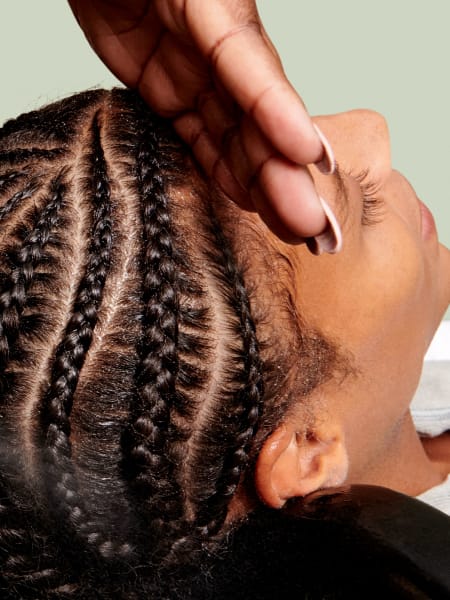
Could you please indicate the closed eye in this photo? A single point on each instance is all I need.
(372, 203)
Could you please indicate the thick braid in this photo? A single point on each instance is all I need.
(8, 179)
(70, 356)
(25, 258)
(236, 416)
(17, 199)
(146, 443)
(247, 401)
(178, 356)
(151, 442)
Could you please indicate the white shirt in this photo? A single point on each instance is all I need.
(431, 407)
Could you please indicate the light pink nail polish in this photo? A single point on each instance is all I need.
(330, 240)
(327, 164)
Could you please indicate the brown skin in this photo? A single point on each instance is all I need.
(381, 300)
(220, 79)
(212, 68)
(438, 451)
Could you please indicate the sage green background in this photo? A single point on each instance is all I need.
(389, 55)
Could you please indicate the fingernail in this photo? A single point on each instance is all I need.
(330, 240)
(327, 164)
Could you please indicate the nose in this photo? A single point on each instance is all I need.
(360, 141)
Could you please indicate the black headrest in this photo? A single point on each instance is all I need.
(356, 542)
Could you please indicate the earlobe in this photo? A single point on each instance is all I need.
(291, 465)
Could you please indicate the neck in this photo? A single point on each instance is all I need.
(406, 467)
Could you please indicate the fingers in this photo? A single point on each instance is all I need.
(282, 192)
(235, 43)
(191, 129)
(166, 49)
(251, 172)
(174, 77)
(268, 153)
(289, 192)
(124, 34)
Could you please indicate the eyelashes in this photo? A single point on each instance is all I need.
(372, 204)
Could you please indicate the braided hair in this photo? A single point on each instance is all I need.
(136, 371)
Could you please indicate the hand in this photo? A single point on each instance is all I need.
(210, 66)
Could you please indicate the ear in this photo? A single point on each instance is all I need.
(292, 464)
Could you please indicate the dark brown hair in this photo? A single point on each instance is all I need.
(139, 368)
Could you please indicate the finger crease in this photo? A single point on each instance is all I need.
(255, 175)
(151, 54)
(184, 13)
(136, 21)
(203, 98)
(214, 53)
(257, 102)
(195, 138)
(227, 137)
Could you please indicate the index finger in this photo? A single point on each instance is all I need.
(233, 39)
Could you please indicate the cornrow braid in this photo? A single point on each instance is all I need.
(238, 405)
(24, 259)
(147, 441)
(155, 443)
(17, 199)
(247, 402)
(70, 356)
(9, 178)
(136, 393)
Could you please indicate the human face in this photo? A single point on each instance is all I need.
(381, 299)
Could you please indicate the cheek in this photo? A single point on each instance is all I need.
(373, 302)
(372, 299)
(389, 285)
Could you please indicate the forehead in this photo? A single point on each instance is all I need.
(360, 141)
